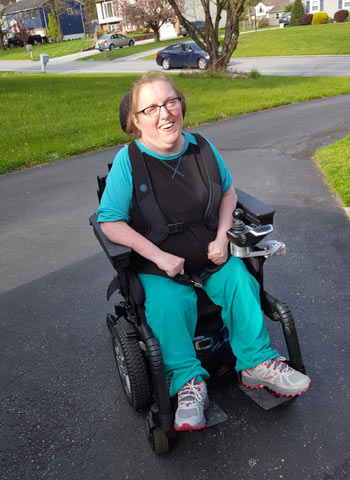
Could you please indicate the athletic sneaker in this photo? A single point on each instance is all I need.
(192, 400)
(277, 376)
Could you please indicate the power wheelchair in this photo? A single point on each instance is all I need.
(137, 353)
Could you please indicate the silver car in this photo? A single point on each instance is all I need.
(112, 41)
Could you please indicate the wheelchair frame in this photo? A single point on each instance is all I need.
(133, 340)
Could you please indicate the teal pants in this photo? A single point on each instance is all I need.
(171, 312)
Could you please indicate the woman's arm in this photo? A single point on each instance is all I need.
(217, 249)
(120, 232)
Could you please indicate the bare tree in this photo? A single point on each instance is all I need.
(21, 32)
(148, 13)
(208, 39)
(3, 27)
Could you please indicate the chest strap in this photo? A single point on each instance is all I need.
(158, 226)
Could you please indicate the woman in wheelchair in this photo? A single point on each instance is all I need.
(179, 181)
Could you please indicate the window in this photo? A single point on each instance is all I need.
(346, 4)
(69, 11)
(20, 16)
(108, 10)
(32, 14)
(314, 6)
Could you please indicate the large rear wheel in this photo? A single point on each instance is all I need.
(132, 368)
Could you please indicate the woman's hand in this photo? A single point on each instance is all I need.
(171, 264)
(217, 251)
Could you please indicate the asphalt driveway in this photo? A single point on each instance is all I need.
(63, 414)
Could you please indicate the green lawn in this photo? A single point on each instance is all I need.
(53, 49)
(126, 51)
(50, 117)
(335, 162)
(328, 39)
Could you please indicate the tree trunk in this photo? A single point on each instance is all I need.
(2, 46)
(156, 34)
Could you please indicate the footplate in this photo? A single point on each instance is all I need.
(265, 398)
(215, 415)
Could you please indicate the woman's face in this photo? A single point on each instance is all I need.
(160, 133)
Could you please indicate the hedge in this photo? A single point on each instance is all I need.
(320, 17)
(306, 19)
(340, 16)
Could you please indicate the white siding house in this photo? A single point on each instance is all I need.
(328, 6)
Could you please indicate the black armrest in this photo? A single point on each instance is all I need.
(117, 254)
(255, 211)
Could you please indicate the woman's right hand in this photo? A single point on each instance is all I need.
(171, 264)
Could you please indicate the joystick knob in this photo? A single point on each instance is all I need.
(238, 223)
(238, 214)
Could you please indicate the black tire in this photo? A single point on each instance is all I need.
(132, 368)
(112, 46)
(35, 42)
(202, 63)
(131, 43)
(159, 441)
(166, 63)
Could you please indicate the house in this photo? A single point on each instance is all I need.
(110, 20)
(272, 10)
(33, 15)
(328, 6)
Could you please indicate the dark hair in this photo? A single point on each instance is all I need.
(129, 103)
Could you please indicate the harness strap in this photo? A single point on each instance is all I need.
(146, 200)
(214, 179)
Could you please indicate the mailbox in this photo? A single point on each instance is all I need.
(44, 60)
(30, 50)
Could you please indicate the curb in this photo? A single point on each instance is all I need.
(347, 212)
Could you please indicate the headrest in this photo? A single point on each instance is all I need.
(124, 110)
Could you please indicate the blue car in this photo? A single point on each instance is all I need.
(184, 54)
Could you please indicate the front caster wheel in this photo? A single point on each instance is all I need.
(159, 441)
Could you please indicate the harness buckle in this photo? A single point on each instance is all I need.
(175, 228)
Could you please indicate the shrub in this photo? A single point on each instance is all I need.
(307, 19)
(263, 23)
(340, 16)
(297, 13)
(320, 17)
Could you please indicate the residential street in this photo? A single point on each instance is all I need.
(63, 413)
(321, 65)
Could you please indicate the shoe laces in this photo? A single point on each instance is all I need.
(278, 364)
(190, 394)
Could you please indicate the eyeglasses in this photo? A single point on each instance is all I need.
(154, 110)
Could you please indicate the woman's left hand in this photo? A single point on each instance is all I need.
(217, 251)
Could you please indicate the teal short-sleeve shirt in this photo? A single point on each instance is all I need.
(116, 199)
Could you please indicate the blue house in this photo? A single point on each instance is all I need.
(33, 15)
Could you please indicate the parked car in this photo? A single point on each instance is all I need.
(198, 25)
(113, 40)
(184, 54)
(285, 19)
(15, 41)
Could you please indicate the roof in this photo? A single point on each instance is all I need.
(276, 4)
(23, 5)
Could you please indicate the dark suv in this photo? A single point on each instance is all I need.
(14, 41)
(198, 25)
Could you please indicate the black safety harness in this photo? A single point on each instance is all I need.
(158, 226)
